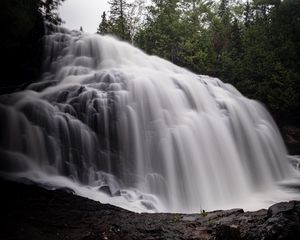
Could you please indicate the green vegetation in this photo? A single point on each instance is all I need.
(254, 45)
(118, 23)
(22, 23)
(203, 213)
(210, 223)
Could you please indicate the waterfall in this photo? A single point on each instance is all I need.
(119, 126)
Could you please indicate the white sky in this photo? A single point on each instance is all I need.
(85, 13)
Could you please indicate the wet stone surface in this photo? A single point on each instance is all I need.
(30, 212)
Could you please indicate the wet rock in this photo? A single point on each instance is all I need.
(105, 189)
(148, 205)
(281, 208)
(283, 221)
(63, 96)
(225, 232)
(291, 136)
(189, 218)
(31, 212)
(67, 190)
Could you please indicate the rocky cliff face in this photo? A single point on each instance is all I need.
(31, 212)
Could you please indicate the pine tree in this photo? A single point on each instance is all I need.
(49, 8)
(103, 26)
(223, 10)
(248, 14)
(118, 19)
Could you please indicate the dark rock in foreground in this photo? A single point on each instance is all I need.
(30, 212)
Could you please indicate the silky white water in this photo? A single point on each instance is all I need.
(122, 127)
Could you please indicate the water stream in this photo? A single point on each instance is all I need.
(122, 127)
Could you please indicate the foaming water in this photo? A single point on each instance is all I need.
(136, 131)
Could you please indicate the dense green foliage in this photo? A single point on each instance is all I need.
(118, 23)
(22, 24)
(254, 45)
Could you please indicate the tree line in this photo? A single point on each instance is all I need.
(254, 45)
(23, 27)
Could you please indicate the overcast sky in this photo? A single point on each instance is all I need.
(85, 13)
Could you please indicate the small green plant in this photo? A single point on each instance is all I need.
(177, 217)
(203, 213)
(210, 223)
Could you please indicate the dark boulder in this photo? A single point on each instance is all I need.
(228, 232)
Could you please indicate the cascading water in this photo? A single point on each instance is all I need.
(119, 126)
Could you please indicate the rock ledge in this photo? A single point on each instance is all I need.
(31, 212)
